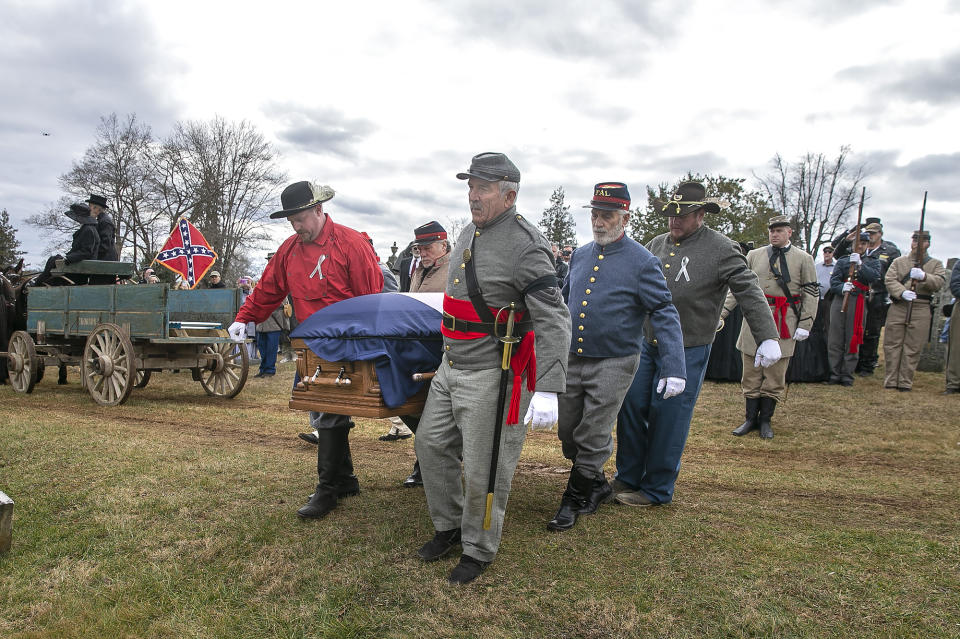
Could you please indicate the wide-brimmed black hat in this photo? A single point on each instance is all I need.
(610, 196)
(429, 233)
(97, 199)
(300, 196)
(492, 167)
(77, 212)
(689, 197)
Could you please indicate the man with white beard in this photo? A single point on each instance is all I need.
(613, 284)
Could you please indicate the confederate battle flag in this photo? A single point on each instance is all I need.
(187, 253)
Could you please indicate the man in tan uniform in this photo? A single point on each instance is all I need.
(788, 278)
(909, 285)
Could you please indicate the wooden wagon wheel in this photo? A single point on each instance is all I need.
(225, 374)
(141, 378)
(108, 366)
(22, 362)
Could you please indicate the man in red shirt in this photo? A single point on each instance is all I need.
(322, 263)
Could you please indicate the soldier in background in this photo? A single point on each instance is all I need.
(846, 325)
(500, 259)
(788, 278)
(878, 302)
(908, 283)
(953, 347)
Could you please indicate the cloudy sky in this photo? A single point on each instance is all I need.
(387, 101)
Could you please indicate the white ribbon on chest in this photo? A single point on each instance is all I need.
(317, 270)
(683, 269)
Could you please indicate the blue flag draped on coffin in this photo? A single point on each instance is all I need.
(399, 332)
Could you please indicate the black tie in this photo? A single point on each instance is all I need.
(782, 254)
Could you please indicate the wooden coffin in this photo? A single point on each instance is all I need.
(344, 388)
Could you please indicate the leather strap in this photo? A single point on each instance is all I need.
(473, 288)
(454, 324)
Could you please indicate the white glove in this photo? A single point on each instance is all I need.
(908, 295)
(917, 274)
(673, 385)
(542, 413)
(238, 331)
(854, 258)
(847, 287)
(801, 334)
(768, 353)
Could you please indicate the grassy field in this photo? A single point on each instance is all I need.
(173, 516)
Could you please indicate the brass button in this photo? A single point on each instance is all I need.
(582, 315)
(446, 346)
(580, 327)
(672, 253)
(588, 291)
(463, 266)
(666, 266)
(456, 280)
(596, 268)
(476, 233)
(450, 362)
(584, 302)
(580, 339)
(599, 257)
(654, 342)
(593, 279)
(677, 244)
(579, 350)
(519, 217)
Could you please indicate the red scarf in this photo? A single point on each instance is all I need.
(523, 361)
(857, 338)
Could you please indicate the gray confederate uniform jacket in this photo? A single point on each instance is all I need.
(509, 255)
(699, 270)
(803, 286)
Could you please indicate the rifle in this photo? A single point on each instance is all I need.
(856, 249)
(919, 260)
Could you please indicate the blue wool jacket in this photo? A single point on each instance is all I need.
(609, 291)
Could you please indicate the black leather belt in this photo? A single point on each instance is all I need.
(452, 323)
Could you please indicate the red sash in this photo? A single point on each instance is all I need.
(857, 338)
(780, 307)
(523, 362)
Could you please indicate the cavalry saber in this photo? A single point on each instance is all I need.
(508, 341)
(856, 249)
(921, 252)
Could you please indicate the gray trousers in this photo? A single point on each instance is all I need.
(843, 363)
(953, 351)
(458, 420)
(588, 408)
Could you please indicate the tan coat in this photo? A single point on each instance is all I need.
(433, 282)
(900, 270)
(803, 282)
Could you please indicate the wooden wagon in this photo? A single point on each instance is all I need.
(119, 334)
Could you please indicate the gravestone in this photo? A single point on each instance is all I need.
(6, 522)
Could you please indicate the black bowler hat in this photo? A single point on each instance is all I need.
(688, 198)
(301, 196)
(492, 167)
(98, 199)
(610, 196)
(429, 233)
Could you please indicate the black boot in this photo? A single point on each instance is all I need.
(573, 501)
(415, 478)
(62, 374)
(600, 493)
(767, 406)
(753, 407)
(347, 483)
(331, 451)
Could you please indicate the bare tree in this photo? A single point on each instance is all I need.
(816, 192)
(224, 174)
(455, 225)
